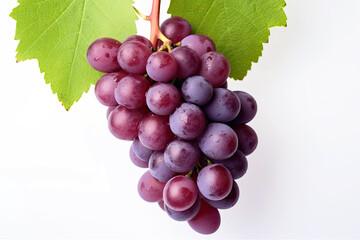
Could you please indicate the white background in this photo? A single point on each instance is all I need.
(64, 176)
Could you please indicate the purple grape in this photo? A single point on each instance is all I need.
(130, 91)
(180, 193)
(247, 137)
(237, 164)
(163, 98)
(181, 156)
(132, 57)
(158, 168)
(229, 201)
(102, 53)
(219, 141)
(139, 38)
(214, 182)
(199, 43)
(154, 131)
(186, 214)
(150, 189)
(223, 107)
(207, 221)
(215, 68)
(162, 204)
(123, 122)
(137, 161)
(248, 108)
(197, 90)
(109, 110)
(104, 88)
(187, 61)
(175, 28)
(187, 122)
(141, 151)
(161, 66)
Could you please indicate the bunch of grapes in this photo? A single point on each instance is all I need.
(187, 128)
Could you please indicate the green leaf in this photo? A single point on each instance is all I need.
(238, 27)
(58, 33)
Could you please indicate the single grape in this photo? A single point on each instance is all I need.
(102, 53)
(176, 28)
(163, 98)
(223, 107)
(186, 214)
(219, 141)
(181, 156)
(180, 193)
(132, 57)
(139, 38)
(104, 88)
(248, 108)
(158, 168)
(141, 151)
(214, 182)
(237, 164)
(130, 91)
(137, 161)
(123, 122)
(187, 61)
(248, 139)
(207, 221)
(197, 90)
(150, 189)
(154, 131)
(229, 201)
(187, 122)
(199, 43)
(215, 68)
(161, 66)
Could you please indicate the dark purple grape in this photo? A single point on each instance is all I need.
(214, 182)
(181, 156)
(150, 189)
(187, 61)
(219, 141)
(229, 201)
(105, 86)
(247, 137)
(215, 68)
(248, 108)
(132, 57)
(154, 131)
(163, 98)
(186, 214)
(223, 107)
(102, 53)
(139, 38)
(180, 193)
(130, 91)
(161, 66)
(187, 122)
(158, 168)
(137, 161)
(175, 28)
(123, 122)
(207, 221)
(197, 90)
(237, 164)
(141, 151)
(199, 43)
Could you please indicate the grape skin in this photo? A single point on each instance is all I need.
(176, 28)
(186, 214)
(237, 164)
(215, 68)
(163, 98)
(150, 189)
(161, 66)
(201, 44)
(158, 168)
(104, 88)
(132, 57)
(139, 38)
(187, 61)
(248, 108)
(248, 139)
(197, 90)
(140, 150)
(137, 161)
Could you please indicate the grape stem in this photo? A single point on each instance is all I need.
(155, 33)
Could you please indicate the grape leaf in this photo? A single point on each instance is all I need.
(238, 27)
(58, 33)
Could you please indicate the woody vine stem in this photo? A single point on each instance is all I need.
(155, 33)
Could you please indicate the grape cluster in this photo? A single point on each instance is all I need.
(186, 126)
